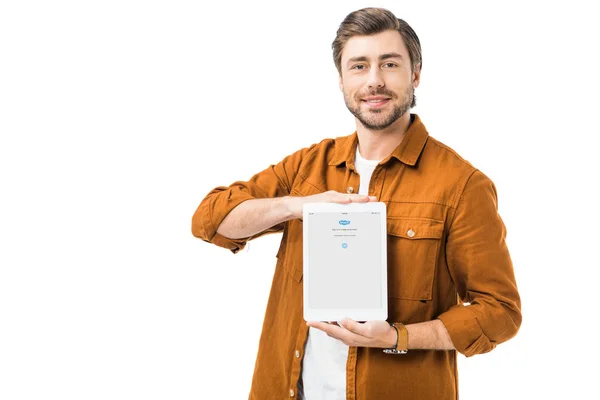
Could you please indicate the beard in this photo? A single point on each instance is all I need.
(379, 119)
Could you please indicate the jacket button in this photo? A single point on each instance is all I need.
(350, 189)
(297, 354)
(291, 392)
(410, 233)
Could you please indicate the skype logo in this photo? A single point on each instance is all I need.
(344, 222)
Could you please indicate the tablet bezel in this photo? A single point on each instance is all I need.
(337, 314)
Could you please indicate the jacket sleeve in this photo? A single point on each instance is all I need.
(482, 271)
(275, 181)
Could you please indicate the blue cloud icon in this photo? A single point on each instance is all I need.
(344, 222)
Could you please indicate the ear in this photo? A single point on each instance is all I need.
(417, 76)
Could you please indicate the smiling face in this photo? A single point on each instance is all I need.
(377, 79)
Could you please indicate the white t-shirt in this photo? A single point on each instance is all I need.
(324, 363)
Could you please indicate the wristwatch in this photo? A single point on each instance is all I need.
(401, 342)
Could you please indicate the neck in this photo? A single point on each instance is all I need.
(377, 145)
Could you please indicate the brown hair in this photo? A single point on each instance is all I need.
(370, 21)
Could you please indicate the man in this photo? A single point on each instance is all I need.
(451, 281)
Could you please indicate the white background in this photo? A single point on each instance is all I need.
(118, 117)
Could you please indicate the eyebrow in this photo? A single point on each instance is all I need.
(381, 57)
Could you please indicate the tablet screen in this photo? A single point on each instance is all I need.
(345, 260)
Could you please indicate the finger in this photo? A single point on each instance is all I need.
(335, 331)
(363, 199)
(369, 198)
(330, 328)
(351, 198)
(355, 327)
(346, 199)
(342, 199)
(360, 198)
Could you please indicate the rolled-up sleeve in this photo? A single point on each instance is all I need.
(274, 181)
(482, 271)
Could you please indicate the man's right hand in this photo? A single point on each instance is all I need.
(294, 204)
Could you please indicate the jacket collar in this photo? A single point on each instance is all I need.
(408, 151)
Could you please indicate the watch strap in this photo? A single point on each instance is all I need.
(401, 341)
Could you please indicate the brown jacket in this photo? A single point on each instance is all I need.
(456, 254)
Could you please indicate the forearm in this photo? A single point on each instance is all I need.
(253, 216)
(429, 335)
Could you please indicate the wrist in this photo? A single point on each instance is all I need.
(401, 344)
(292, 207)
(392, 338)
(286, 207)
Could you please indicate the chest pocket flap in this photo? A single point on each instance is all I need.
(413, 249)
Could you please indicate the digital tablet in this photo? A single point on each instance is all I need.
(345, 261)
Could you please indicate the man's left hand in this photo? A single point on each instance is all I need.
(357, 334)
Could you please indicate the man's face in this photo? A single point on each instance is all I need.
(377, 80)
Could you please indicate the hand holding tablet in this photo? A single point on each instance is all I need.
(295, 204)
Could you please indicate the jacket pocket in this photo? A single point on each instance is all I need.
(413, 247)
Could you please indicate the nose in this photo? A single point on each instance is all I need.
(375, 78)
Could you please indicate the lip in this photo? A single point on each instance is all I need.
(375, 98)
(376, 101)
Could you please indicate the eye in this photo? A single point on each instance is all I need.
(389, 65)
(358, 67)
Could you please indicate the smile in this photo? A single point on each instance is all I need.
(376, 103)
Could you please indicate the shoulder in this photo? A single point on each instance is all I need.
(329, 149)
(443, 156)
(451, 170)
